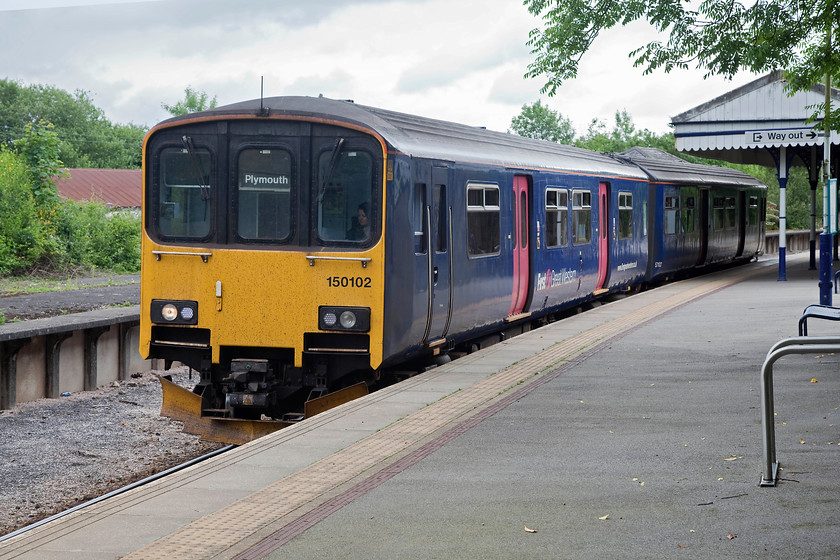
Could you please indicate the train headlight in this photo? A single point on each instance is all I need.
(355, 319)
(170, 312)
(347, 319)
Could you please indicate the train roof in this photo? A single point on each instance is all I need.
(664, 167)
(436, 139)
(443, 140)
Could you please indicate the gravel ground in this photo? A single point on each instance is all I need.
(56, 453)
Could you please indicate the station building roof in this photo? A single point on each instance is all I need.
(120, 188)
(740, 125)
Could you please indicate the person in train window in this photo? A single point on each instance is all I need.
(360, 225)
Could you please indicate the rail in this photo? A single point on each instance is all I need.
(795, 241)
(788, 346)
(815, 311)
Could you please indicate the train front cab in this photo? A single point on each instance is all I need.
(256, 270)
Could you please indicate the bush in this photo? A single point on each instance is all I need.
(93, 235)
(22, 235)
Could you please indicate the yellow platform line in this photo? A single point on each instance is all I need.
(220, 534)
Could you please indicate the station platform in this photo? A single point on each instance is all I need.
(629, 431)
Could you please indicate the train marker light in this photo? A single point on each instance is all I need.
(329, 319)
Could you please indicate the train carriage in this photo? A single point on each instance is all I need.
(295, 246)
(705, 215)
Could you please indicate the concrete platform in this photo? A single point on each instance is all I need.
(630, 431)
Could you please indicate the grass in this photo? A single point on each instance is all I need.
(54, 282)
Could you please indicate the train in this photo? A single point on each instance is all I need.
(295, 248)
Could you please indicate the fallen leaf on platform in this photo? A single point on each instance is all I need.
(730, 536)
(527, 530)
(732, 458)
(813, 380)
(801, 441)
(605, 517)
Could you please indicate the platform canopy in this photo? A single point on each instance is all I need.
(748, 123)
(759, 123)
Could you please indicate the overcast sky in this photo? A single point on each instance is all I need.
(457, 60)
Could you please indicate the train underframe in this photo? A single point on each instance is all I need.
(262, 383)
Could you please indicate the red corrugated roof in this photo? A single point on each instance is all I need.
(121, 188)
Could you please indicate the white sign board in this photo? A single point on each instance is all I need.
(832, 205)
(785, 136)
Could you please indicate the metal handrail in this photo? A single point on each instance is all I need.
(204, 256)
(313, 258)
(795, 345)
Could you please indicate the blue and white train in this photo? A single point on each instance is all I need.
(295, 245)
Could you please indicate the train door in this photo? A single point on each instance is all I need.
(704, 227)
(521, 266)
(440, 258)
(742, 222)
(603, 236)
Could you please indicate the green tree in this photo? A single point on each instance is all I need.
(193, 102)
(88, 139)
(538, 121)
(623, 136)
(40, 148)
(719, 36)
(21, 232)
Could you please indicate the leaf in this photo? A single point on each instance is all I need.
(730, 536)
(527, 530)
(604, 518)
(814, 380)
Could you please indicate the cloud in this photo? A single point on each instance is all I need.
(460, 60)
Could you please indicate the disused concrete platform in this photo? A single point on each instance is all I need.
(630, 431)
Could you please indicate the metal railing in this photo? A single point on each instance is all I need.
(788, 346)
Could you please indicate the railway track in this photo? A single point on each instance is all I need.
(117, 492)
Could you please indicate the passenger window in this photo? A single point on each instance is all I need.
(672, 209)
(419, 218)
(581, 217)
(483, 219)
(719, 212)
(441, 230)
(730, 212)
(185, 195)
(264, 194)
(345, 183)
(753, 214)
(688, 212)
(556, 217)
(625, 215)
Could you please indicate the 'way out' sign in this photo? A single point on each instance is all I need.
(783, 136)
